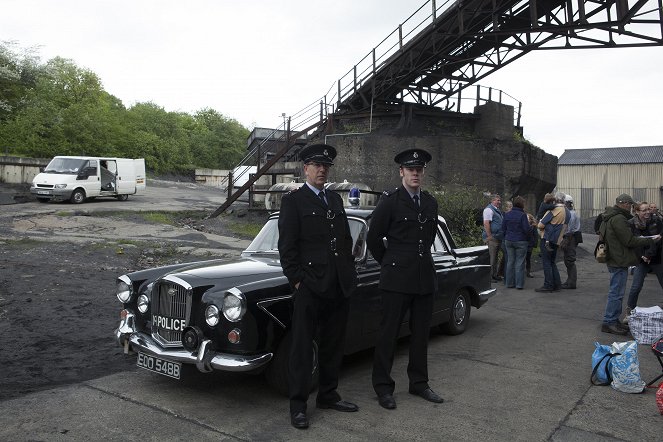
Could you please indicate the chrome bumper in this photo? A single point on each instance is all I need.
(486, 295)
(204, 359)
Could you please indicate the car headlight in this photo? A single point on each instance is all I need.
(143, 303)
(60, 186)
(212, 315)
(124, 289)
(234, 305)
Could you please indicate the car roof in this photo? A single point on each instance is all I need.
(358, 212)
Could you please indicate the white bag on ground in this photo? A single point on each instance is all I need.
(625, 368)
(646, 324)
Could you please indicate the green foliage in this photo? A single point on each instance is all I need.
(459, 206)
(58, 108)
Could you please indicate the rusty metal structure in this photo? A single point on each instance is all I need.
(446, 46)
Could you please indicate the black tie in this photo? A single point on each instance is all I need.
(322, 198)
(416, 200)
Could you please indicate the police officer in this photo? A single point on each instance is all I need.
(407, 218)
(315, 245)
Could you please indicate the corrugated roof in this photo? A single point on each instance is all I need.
(613, 155)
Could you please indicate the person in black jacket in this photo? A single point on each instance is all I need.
(315, 246)
(407, 218)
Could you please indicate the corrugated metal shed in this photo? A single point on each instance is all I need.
(612, 155)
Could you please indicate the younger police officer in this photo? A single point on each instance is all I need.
(315, 245)
(407, 218)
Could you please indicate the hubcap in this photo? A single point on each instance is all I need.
(459, 310)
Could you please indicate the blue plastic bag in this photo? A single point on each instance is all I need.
(625, 368)
(601, 364)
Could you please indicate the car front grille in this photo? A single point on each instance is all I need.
(171, 301)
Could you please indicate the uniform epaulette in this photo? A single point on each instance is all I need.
(390, 192)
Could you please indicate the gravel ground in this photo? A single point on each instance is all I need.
(58, 308)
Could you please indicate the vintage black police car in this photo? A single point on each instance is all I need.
(236, 316)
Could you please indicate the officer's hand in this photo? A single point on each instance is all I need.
(657, 237)
(297, 285)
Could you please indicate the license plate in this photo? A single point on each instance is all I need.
(157, 365)
(43, 192)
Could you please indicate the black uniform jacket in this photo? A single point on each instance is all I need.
(407, 264)
(315, 243)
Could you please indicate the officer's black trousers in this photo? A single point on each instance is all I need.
(395, 306)
(329, 316)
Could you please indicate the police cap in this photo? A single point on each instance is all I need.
(318, 153)
(413, 158)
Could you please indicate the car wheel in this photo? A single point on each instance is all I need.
(77, 196)
(43, 200)
(277, 371)
(460, 314)
(122, 197)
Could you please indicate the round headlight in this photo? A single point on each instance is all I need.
(143, 303)
(234, 305)
(212, 315)
(124, 289)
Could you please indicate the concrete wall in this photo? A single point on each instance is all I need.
(494, 160)
(18, 170)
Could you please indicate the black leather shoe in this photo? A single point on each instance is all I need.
(568, 287)
(529, 275)
(299, 420)
(497, 278)
(623, 326)
(543, 290)
(387, 401)
(614, 329)
(338, 406)
(429, 395)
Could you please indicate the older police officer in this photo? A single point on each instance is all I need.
(407, 218)
(315, 245)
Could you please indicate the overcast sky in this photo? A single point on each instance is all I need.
(253, 60)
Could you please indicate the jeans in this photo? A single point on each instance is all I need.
(641, 271)
(515, 263)
(551, 278)
(613, 308)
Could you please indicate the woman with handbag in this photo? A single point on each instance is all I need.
(649, 257)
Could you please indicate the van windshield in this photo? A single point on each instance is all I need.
(64, 165)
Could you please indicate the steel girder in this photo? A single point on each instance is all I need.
(474, 38)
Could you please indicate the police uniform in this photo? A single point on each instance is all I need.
(407, 279)
(315, 246)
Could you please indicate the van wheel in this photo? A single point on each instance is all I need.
(122, 197)
(77, 196)
(277, 371)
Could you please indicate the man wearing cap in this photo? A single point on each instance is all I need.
(407, 218)
(315, 246)
(621, 244)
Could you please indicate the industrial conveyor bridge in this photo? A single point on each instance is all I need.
(446, 46)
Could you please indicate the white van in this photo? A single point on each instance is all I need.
(78, 178)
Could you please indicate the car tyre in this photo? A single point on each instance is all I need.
(460, 314)
(77, 196)
(43, 200)
(277, 371)
(122, 197)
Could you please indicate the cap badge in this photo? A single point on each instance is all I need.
(415, 155)
(325, 153)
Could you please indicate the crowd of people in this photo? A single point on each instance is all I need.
(630, 230)
(514, 234)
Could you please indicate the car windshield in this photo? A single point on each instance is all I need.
(64, 165)
(268, 238)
